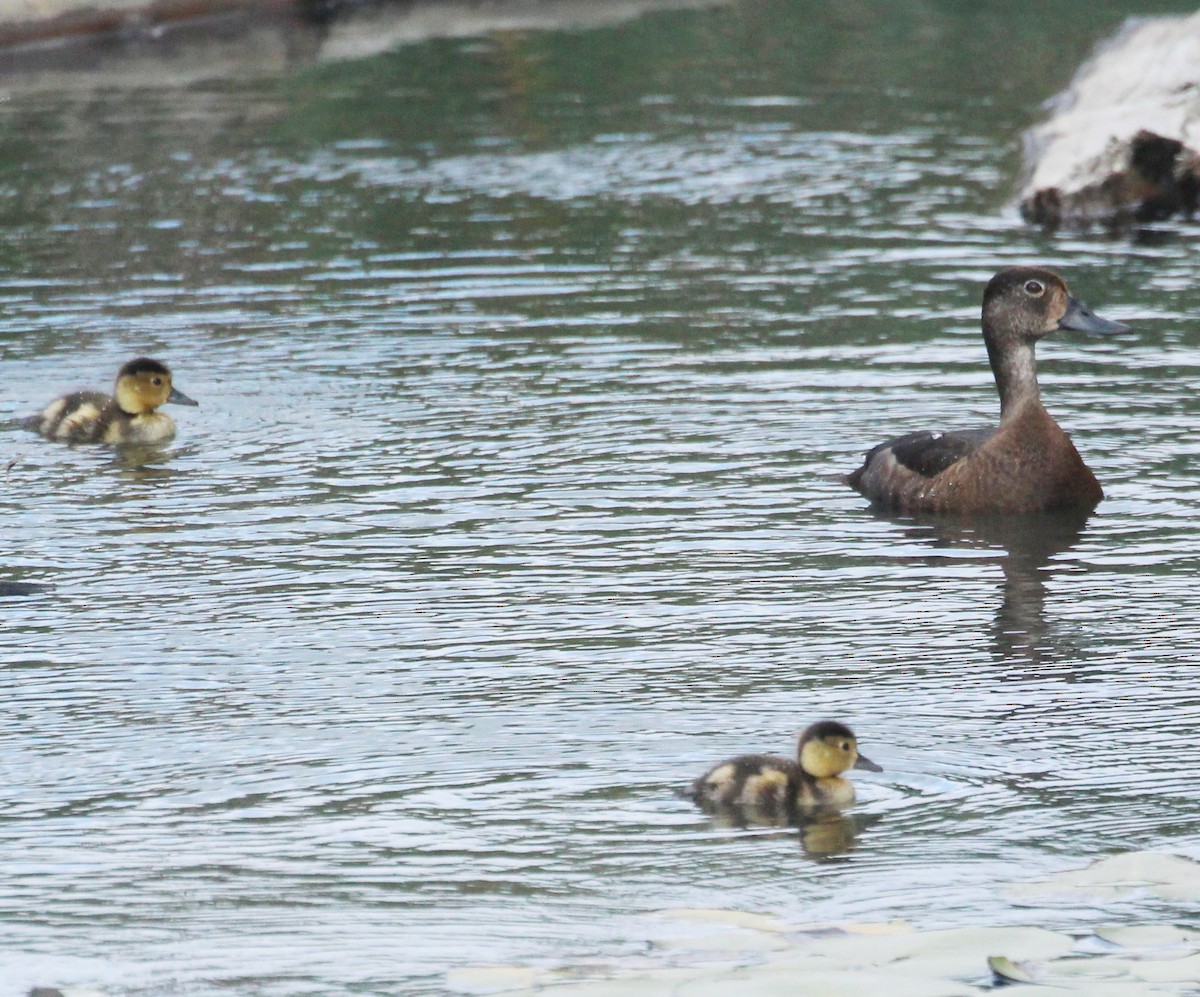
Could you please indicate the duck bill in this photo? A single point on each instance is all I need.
(1080, 318)
(863, 762)
(179, 398)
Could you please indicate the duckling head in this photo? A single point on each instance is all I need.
(1026, 303)
(143, 385)
(828, 748)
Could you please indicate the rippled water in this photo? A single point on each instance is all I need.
(528, 366)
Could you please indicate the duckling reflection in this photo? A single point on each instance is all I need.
(130, 415)
(1030, 543)
(773, 791)
(827, 834)
(824, 832)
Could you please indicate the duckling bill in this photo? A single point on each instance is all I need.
(129, 415)
(1025, 464)
(770, 786)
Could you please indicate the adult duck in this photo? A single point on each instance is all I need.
(1027, 463)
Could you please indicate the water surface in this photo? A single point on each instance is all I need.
(528, 366)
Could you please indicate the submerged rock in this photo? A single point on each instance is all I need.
(1120, 144)
(9, 589)
(1168, 877)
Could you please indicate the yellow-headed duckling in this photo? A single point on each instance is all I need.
(129, 415)
(1027, 463)
(771, 786)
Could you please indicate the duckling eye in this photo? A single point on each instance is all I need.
(156, 380)
(1034, 288)
(845, 745)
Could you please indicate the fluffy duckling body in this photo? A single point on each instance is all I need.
(1026, 463)
(129, 415)
(771, 786)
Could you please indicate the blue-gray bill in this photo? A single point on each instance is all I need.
(864, 762)
(1080, 318)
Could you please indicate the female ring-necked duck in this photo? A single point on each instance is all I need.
(1027, 463)
(129, 416)
(774, 785)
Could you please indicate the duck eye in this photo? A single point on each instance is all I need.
(1034, 288)
(845, 745)
(156, 380)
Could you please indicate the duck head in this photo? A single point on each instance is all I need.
(1026, 303)
(143, 385)
(828, 748)
(1020, 306)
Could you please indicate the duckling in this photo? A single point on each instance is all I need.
(774, 787)
(129, 416)
(1025, 464)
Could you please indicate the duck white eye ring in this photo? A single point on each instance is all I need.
(1034, 288)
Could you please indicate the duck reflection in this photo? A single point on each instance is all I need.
(824, 833)
(148, 461)
(827, 836)
(1020, 631)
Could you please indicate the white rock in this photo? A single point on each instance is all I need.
(1147, 77)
